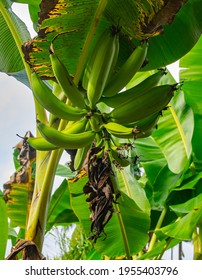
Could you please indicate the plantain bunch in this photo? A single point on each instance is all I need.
(130, 114)
(102, 121)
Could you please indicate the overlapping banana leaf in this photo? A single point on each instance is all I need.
(183, 227)
(70, 22)
(174, 133)
(190, 73)
(18, 192)
(19, 204)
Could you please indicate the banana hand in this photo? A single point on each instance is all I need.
(145, 105)
(41, 144)
(134, 92)
(121, 131)
(51, 103)
(101, 65)
(65, 81)
(127, 71)
(80, 157)
(146, 126)
(66, 140)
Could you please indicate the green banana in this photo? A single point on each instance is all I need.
(65, 81)
(121, 131)
(76, 127)
(132, 93)
(127, 71)
(146, 123)
(146, 126)
(41, 144)
(66, 140)
(80, 157)
(90, 62)
(102, 64)
(94, 123)
(145, 105)
(50, 102)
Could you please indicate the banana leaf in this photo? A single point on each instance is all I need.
(18, 205)
(10, 59)
(69, 24)
(158, 248)
(188, 206)
(60, 212)
(191, 75)
(174, 133)
(183, 227)
(161, 181)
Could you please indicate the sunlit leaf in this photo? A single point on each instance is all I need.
(65, 171)
(69, 24)
(10, 59)
(158, 248)
(18, 205)
(191, 75)
(174, 133)
(184, 227)
(129, 185)
(161, 179)
(189, 205)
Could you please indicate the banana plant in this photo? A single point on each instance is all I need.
(136, 212)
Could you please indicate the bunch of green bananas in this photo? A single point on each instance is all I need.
(133, 114)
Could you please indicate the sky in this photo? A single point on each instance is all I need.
(17, 116)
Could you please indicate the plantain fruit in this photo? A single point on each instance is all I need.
(66, 140)
(65, 81)
(145, 105)
(80, 157)
(94, 123)
(119, 80)
(51, 103)
(41, 144)
(105, 54)
(76, 127)
(121, 131)
(146, 126)
(134, 92)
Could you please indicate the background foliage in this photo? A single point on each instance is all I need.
(161, 191)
